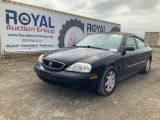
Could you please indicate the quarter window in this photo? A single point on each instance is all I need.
(130, 42)
(140, 43)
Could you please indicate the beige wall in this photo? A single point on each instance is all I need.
(151, 38)
(0, 47)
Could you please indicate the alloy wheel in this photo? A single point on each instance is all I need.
(110, 81)
(148, 65)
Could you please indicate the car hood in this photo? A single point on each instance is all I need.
(77, 54)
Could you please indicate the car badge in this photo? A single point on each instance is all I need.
(50, 63)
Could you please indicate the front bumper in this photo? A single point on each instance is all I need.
(66, 78)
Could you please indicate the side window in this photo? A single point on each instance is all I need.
(140, 43)
(130, 42)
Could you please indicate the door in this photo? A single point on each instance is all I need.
(130, 58)
(142, 53)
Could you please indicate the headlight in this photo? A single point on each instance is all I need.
(40, 59)
(80, 67)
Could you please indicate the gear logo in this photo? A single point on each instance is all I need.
(116, 29)
(24, 19)
(72, 31)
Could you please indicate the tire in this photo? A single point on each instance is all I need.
(105, 83)
(66, 27)
(146, 69)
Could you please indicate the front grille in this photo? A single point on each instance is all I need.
(52, 64)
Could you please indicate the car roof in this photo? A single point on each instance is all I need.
(125, 34)
(122, 33)
(119, 33)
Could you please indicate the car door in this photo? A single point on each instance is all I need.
(130, 57)
(142, 53)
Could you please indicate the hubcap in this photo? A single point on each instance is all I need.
(110, 81)
(148, 65)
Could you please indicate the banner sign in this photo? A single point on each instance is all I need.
(28, 29)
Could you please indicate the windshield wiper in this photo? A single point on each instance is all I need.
(89, 46)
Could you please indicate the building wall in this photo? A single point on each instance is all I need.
(151, 38)
(0, 46)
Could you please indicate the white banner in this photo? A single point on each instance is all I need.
(29, 29)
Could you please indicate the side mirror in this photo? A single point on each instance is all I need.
(129, 49)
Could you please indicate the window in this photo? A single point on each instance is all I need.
(140, 43)
(104, 41)
(130, 42)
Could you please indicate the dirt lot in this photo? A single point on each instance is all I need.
(24, 96)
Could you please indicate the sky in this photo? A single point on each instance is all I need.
(135, 16)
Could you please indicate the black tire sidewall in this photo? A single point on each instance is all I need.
(144, 71)
(101, 88)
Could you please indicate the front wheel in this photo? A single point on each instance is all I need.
(108, 82)
(147, 67)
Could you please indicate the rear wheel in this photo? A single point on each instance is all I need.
(147, 67)
(108, 82)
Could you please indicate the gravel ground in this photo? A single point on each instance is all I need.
(24, 96)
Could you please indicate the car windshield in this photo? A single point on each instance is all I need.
(101, 41)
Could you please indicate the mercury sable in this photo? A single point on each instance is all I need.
(98, 61)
